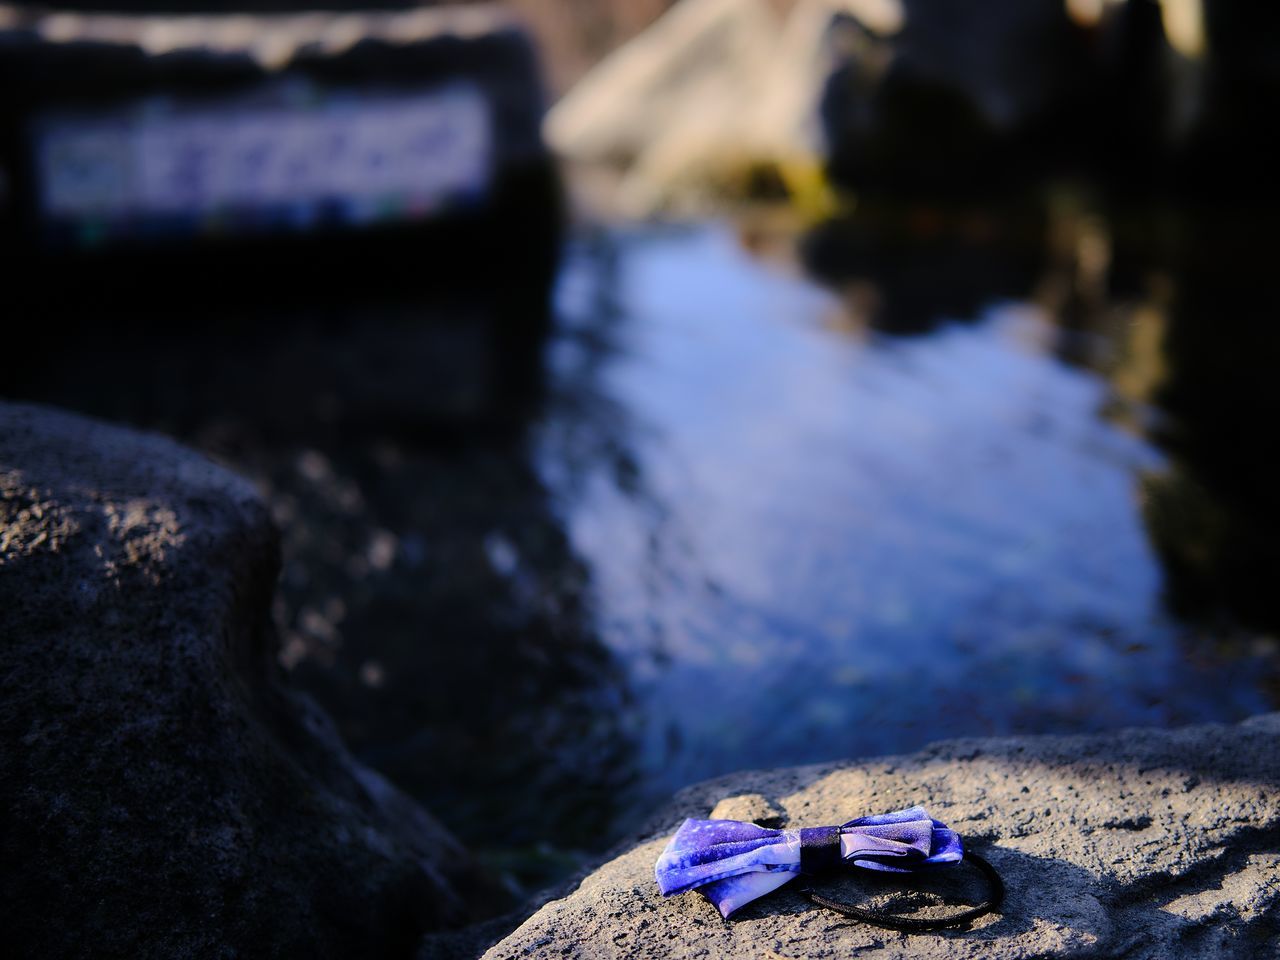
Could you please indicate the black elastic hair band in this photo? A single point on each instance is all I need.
(910, 924)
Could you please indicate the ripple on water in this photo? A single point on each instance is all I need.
(834, 544)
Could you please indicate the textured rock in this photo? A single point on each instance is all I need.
(160, 794)
(1138, 844)
(749, 808)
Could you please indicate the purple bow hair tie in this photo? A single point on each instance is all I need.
(732, 863)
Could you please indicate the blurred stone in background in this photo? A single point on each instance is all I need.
(920, 97)
(687, 109)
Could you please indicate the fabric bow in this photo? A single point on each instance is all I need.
(732, 863)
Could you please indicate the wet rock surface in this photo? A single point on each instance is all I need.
(161, 794)
(1139, 844)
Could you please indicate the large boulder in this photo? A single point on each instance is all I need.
(1137, 844)
(161, 794)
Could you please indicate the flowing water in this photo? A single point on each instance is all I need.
(810, 539)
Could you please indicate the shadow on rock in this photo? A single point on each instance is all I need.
(163, 793)
(1143, 843)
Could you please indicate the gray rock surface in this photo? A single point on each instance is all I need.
(160, 794)
(750, 808)
(1138, 844)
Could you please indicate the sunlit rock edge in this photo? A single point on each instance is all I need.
(1142, 843)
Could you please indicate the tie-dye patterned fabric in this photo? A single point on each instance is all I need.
(732, 863)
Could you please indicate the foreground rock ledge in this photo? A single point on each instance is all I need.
(1140, 844)
(160, 794)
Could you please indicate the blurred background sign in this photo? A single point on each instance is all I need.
(263, 143)
(290, 156)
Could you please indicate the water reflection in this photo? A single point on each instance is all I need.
(1215, 514)
(864, 542)
(926, 264)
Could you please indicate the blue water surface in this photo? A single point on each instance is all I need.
(809, 540)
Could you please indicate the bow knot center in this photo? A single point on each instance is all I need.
(820, 849)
